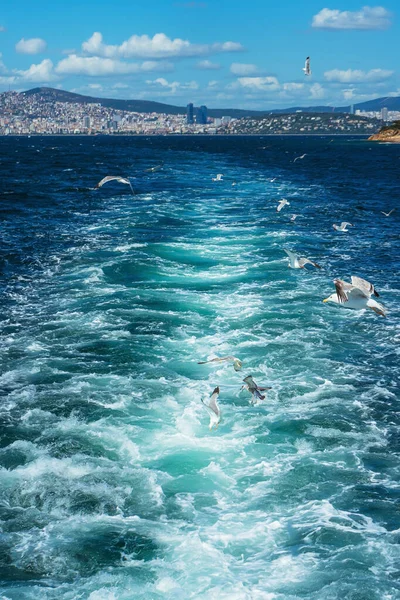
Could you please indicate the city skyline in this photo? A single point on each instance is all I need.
(228, 58)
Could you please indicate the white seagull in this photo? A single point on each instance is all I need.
(114, 178)
(237, 363)
(293, 218)
(306, 68)
(389, 213)
(254, 389)
(154, 169)
(213, 409)
(356, 295)
(281, 204)
(300, 157)
(342, 226)
(218, 177)
(299, 263)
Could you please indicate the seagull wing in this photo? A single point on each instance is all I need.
(365, 286)
(213, 402)
(340, 286)
(304, 261)
(344, 223)
(217, 359)
(113, 178)
(292, 256)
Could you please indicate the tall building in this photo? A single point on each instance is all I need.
(190, 114)
(86, 122)
(384, 114)
(352, 109)
(201, 115)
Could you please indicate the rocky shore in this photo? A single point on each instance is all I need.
(390, 133)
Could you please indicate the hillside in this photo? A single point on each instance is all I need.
(391, 133)
(148, 106)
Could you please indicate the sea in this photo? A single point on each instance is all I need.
(112, 485)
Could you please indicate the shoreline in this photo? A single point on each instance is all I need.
(175, 135)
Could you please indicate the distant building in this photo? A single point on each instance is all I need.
(86, 122)
(384, 114)
(190, 114)
(201, 115)
(352, 109)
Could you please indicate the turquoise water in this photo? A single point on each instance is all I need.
(111, 484)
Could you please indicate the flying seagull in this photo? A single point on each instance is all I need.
(293, 218)
(254, 390)
(299, 263)
(281, 204)
(218, 177)
(306, 68)
(300, 157)
(389, 213)
(356, 295)
(154, 169)
(342, 226)
(237, 364)
(114, 178)
(213, 409)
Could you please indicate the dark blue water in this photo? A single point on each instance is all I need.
(111, 484)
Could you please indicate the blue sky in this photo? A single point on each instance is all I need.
(216, 52)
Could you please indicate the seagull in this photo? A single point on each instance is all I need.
(254, 389)
(281, 204)
(273, 179)
(306, 68)
(342, 226)
(300, 157)
(213, 409)
(218, 177)
(237, 364)
(114, 178)
(293, 218)
(356, 295)
(389, 213)
(154, 169)
(298, 263)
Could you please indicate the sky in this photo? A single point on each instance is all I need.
(221, 53)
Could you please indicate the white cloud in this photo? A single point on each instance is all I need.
(348, 94)
(353, 76)
(160, 87)
(95, 66)
(31, 46)
(243, 69)
(292, 87)
(207, 65)
(2, 28)
(159, 46)
(265, 84)
(317, 91)
(41, 73)
(369, 17)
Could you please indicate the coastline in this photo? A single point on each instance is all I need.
(176, 135)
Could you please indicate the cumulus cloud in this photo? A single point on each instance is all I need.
(292, 87)
(95, 66)
(243, 69)
(369, 17)
(41, 73)
(317, 91)
(356, 76)
(172, 87)
(159, 46)
(31, 46)
(207, 65)
(265, 84)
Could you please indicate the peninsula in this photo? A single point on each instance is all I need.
(390, 133)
